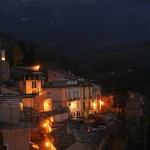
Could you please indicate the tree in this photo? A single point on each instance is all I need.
(18, 56)
(119, 97)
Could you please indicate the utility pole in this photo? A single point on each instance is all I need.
(0, 68)
(145, 132)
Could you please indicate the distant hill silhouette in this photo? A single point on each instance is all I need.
(128, 65)
(21, 52)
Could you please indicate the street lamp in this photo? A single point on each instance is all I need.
(47, 127)
(145, 134)
(101, 104)
(47, 144)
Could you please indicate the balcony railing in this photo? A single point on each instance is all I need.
(74, 99)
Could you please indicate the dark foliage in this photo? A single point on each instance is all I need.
(20, 52)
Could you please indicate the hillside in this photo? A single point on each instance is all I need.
(21, 52)
(124, 64)
(127, 65)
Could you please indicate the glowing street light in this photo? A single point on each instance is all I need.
(36, 68)
(47, 144)
(94, 105)
(101, 104)
(47, 127)
(44, 125)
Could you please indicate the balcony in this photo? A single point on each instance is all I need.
(76, 98)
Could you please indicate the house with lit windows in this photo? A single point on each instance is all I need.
(97, 100)
(86, 90)
(74, 99)
(31, 83)
(13, 122)
(65, 93)
(58, 74)
(80, 97)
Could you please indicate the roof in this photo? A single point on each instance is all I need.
(10, 91)
(78, 146)
(66, 83)
(61, 139)
(54, 112)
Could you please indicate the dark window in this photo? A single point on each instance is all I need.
(4, 147)
(69, 94)
(33, 84)
(33, 91)
(89, 105)
(73, 94)
(89, 91)
(76, 93)
(83, 105)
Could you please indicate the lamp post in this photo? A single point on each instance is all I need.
(145, 130)
(0, 68)
(101, 104)
(145, 134)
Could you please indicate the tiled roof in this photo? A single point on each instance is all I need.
(61, 139)
(54, 112)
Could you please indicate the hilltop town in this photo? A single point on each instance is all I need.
(56, 110)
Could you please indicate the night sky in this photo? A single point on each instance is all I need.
(56, 22)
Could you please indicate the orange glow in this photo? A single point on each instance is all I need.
(45, 104)
(72, 105)
(94, 105)
(47, 144)
(47, 127)
(44, 125)
(101, 102)
(35, 146)
(3, 59)
(36, 67)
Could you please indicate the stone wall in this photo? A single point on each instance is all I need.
(16, 139)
